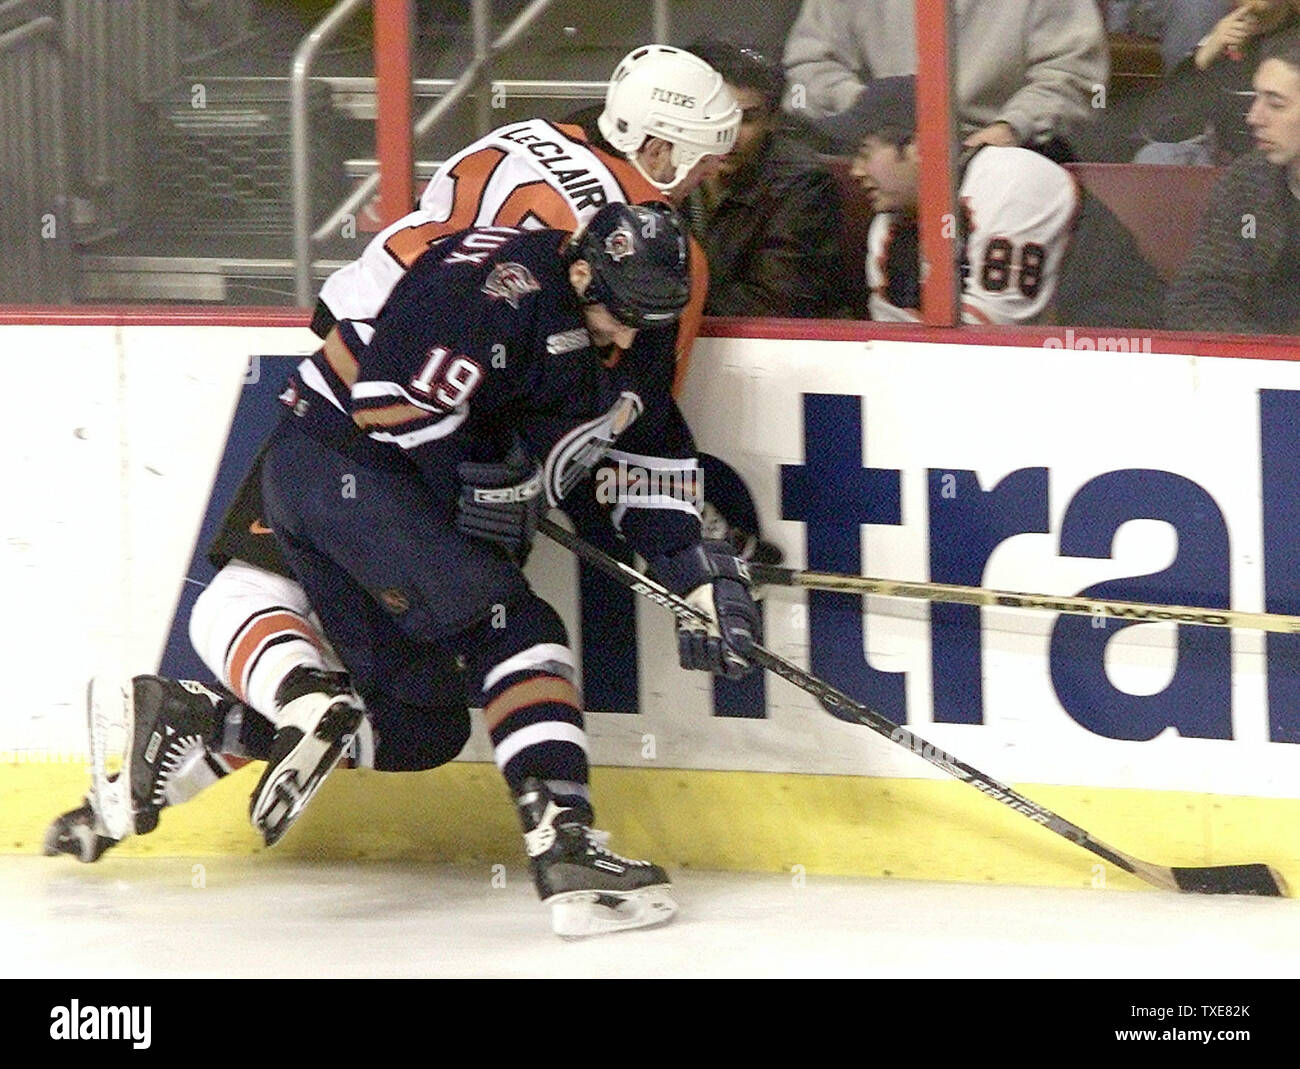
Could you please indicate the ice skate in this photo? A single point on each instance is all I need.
(75, 833)
(156, 732)
(590, 889)
(319, 715)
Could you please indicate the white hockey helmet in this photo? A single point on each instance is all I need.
(658, 91)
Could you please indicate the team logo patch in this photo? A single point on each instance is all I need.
(510, 282)
(621, 243)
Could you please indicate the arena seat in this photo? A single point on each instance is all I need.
(1135, 65)
(1161, 205)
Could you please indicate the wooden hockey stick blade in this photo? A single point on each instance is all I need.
(1231, 880)
(1253, 879)
(1133, 612)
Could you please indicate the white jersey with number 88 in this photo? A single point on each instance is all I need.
(1019, 209)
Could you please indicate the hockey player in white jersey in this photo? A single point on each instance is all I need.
(1017, 209)
(667, 117)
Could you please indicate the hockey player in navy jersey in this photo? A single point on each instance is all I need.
(405, 481)
(253, 625)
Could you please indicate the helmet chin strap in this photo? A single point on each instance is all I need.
(680, 170)
(664, 187)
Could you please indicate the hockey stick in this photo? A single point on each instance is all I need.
(1253, 879)
(1134, 612)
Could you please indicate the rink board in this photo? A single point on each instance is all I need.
(1153, 476)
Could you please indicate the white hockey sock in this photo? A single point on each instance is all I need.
(252, 628)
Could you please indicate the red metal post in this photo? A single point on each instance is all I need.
(937, 143)
(394, 146)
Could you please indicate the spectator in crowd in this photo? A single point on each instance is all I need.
(1033, 247)
(1199, 115)
(1027, 71)
(1184, 25)
(769, 220)
(1179, 25)
(1243, 274)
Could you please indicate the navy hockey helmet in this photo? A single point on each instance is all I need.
(639, 263)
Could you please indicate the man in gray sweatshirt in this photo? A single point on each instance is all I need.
(1027, 71)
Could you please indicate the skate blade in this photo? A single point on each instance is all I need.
(80, 842)
(109, 712)
(579, 914)
(280, 802)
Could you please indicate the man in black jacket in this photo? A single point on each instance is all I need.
(1243, 274)
(770, 221)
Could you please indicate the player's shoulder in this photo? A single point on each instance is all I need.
(634, 187)
(574, 161)
(498, 162)
(498, 275)
(541, 249)
(542, 144)
(518, 136)
(479, 246)
(500, 264)
(529, 262)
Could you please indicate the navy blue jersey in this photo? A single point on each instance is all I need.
(483, 342)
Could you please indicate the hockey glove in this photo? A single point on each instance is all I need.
(715, 583)
(501, 503)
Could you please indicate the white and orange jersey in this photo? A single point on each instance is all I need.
(532, 175)
(1018, 210)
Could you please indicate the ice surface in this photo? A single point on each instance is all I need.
(260, 916)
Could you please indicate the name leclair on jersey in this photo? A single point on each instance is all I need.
(530, 155)
(577, 181)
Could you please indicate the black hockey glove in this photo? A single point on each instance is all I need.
(716, 583)
(501, 503)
